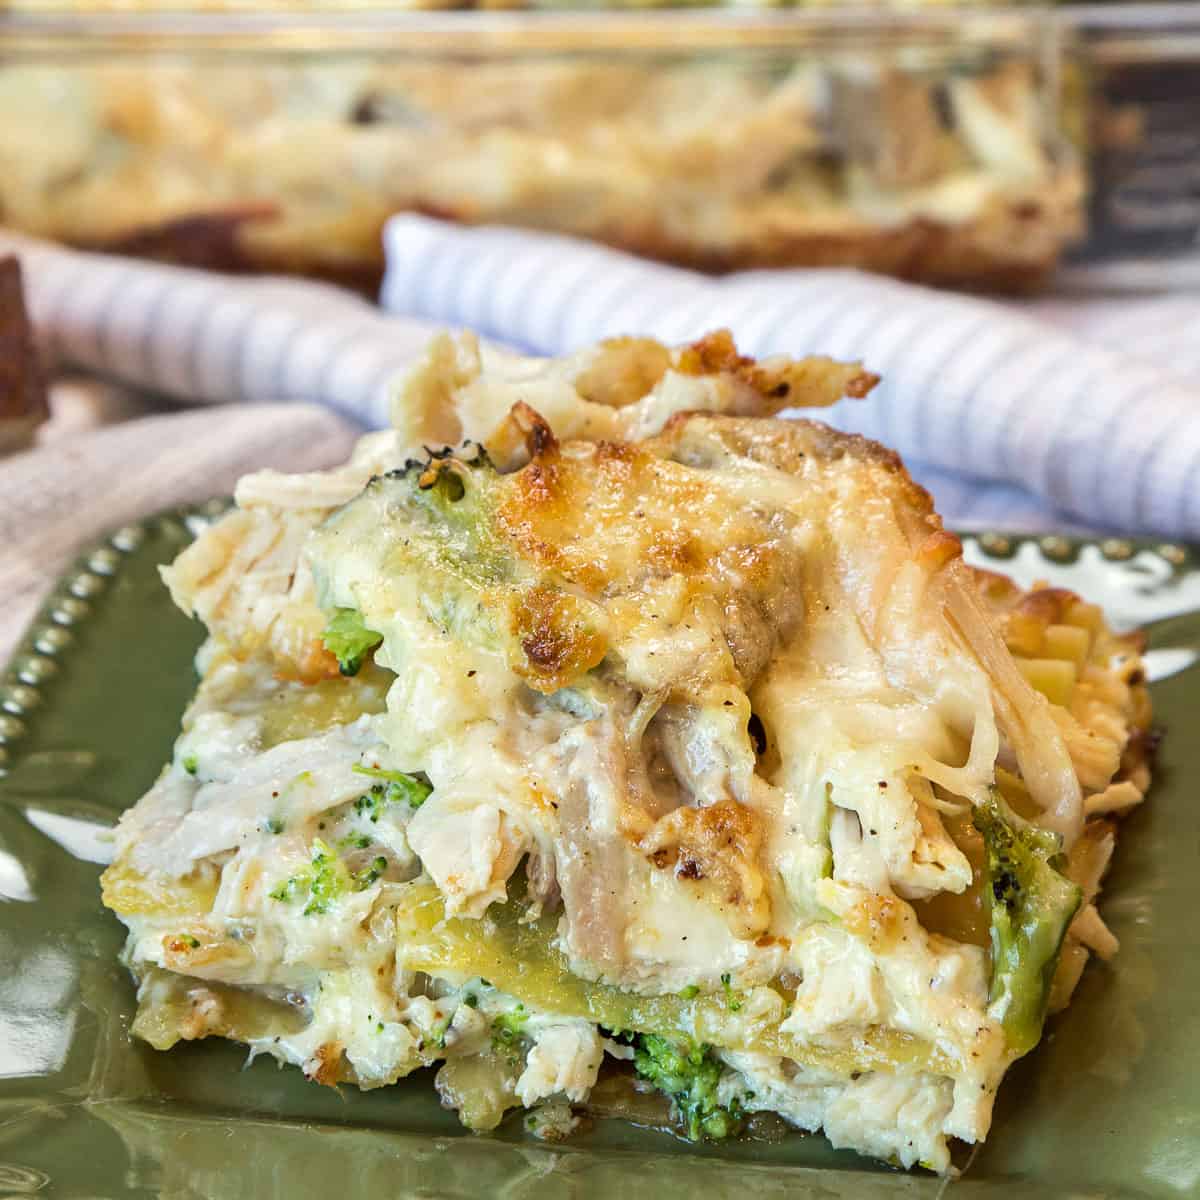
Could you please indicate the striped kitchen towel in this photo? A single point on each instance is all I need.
(1029, 415)
(1056, 414)
(202, 338)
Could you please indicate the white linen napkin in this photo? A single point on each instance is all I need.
(1051, 413)
(60, 498)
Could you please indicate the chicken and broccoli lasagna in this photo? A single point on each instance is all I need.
(612, 744)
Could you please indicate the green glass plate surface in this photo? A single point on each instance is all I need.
(1108, 1105)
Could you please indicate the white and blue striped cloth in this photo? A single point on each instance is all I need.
(1045, 415)
(201, 338)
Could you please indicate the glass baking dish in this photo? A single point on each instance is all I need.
(925, 143)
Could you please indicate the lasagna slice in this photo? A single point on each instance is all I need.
(629, 748)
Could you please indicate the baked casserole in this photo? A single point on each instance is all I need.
(607, 741)
(933, 158)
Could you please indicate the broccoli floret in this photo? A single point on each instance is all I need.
(731, 999)
(508, 1027)
(190, 764)
(1030, 904)
(348, 639)
(368, 875)
(371, 804)
(325, 879)
(288, 889)
(688, 1073)
(395, 788)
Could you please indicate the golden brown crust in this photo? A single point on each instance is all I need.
(813, 382)
(785, 444)
(657, 511)
(558, 642)
(1013, 248)
(716, 848)
(996, 255)
(938, 549)
(327, 1065)
(215, 241)
(973, 255)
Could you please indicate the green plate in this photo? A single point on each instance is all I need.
(1109, 1104)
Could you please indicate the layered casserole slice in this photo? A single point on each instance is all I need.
(619, 745)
